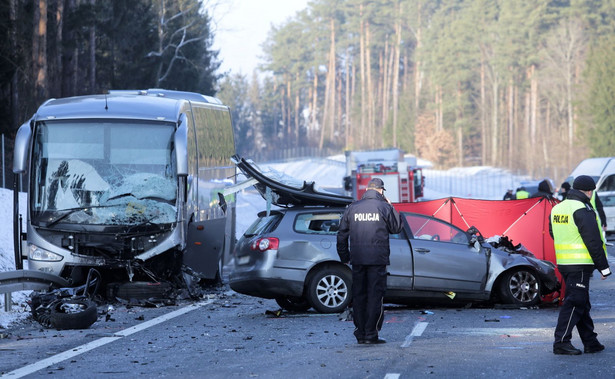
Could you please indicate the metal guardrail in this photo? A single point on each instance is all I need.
(24, 280)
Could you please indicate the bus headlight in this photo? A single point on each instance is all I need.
(36, 253)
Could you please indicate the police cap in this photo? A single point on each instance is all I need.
(584, 183)
(376, 183)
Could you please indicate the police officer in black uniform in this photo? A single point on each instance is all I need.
(368, 223)
(579, 249)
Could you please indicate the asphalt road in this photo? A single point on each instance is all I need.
(227, 335)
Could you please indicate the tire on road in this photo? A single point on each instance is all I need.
(329, 289)
(74, 314)
(520, 286)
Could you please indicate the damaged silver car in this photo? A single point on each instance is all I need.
(289, 254)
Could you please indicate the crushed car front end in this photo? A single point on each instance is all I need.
(521, 276)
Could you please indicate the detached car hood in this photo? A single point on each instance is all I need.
(284, 195)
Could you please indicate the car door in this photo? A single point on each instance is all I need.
(443, 258)
(400, 275)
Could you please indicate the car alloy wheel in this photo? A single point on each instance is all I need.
(520, 287)
(329, 290)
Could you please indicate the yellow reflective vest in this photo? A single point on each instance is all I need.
(569, 246)
(522, 194)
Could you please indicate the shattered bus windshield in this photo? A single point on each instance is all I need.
(110, 173)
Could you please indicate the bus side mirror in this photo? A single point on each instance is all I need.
(181, 146)
(22, 144)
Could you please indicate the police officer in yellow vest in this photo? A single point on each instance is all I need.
(521, 193)
(580, 249)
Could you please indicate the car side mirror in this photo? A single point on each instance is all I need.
(477, 245)
(475, 236)
(475, 242)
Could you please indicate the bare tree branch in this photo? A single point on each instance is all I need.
(177, 55)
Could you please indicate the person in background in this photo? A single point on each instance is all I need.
(509, 195)
(545, 189)
(521, 193)
(367, 223)
(564, 188)
(579, 250)
(597, 204)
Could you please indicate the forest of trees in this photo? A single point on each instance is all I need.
(523, 84)
(61, 48)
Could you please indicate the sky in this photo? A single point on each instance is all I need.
(241, 27)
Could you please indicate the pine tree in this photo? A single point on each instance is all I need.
(599, 106)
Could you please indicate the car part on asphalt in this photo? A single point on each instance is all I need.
(139, 290)
(74, 313)
(67, 308)
(293, 303)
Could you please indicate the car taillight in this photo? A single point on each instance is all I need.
(264, 244)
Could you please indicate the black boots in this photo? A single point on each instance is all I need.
(565, 348)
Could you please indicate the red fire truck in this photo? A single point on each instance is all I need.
(402, 178)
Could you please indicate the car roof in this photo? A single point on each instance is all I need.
(285, 195)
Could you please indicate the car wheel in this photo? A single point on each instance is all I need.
(329, 290)
(73, 314)
(293, 303)
(520, 287)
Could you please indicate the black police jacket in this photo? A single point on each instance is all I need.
(367, 223)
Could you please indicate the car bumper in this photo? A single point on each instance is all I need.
(546, 273)
(268, 284)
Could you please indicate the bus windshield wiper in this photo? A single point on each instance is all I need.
(155, 198)
(70, 211)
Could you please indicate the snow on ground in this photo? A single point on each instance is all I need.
(7, 258)
(326, 173)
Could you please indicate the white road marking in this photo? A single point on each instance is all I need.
(417, 331)
(29, 369)
(513, 332)
(391, 376)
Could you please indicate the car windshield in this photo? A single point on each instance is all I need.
(608, 184)
(103, 172)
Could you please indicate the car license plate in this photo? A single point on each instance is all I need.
(243, 260)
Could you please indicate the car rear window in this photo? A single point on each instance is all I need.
(317, 223)
(263, 224)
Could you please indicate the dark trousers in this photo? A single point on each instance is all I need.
(575, 310)
(368, 286)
